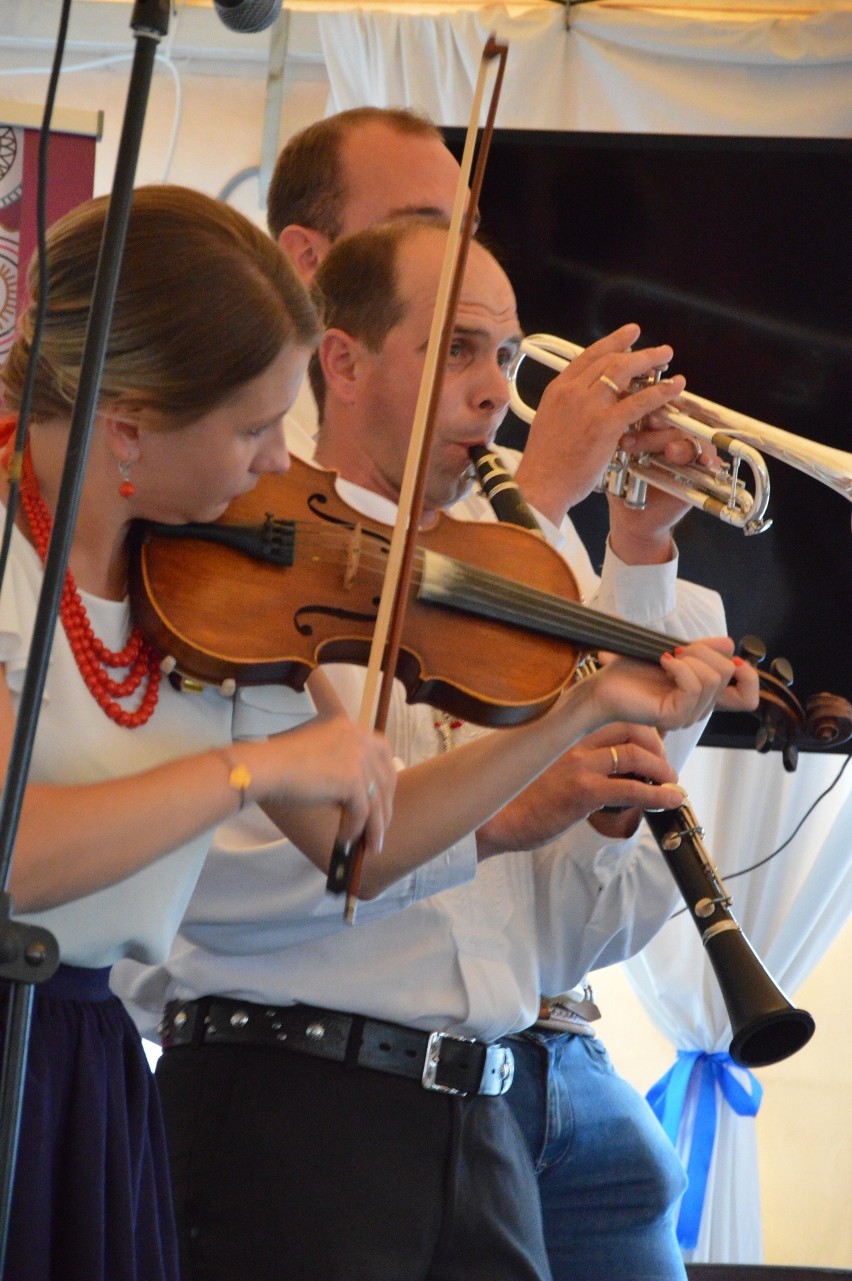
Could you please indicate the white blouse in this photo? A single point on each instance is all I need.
(77, 743)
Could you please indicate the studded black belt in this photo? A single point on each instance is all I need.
(438, 1060)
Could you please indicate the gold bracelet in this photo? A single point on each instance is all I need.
(239, 775)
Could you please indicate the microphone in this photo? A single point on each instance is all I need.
(248, 15)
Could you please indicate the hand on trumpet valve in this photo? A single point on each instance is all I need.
(654, 436)
(582, 415)
(641, 519)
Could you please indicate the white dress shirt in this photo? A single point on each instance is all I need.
(473, 958)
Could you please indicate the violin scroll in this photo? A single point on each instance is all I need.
(828, 719)
(824, 721)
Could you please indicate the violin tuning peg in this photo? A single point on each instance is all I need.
(752, 649)
(764, 737)
(781, 668)
(790, 757)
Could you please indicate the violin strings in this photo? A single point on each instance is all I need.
(490, 595)
(567, 619)
(508, 601)
(527, 607)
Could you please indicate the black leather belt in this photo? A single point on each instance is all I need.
(438, 1060)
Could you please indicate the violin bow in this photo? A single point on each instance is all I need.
(347, 861)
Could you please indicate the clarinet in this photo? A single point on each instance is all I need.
(766, 1026)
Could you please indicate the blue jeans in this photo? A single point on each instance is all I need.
(609, 1179)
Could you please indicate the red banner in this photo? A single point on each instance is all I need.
(71, 165)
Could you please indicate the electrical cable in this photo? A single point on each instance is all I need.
(744, 871)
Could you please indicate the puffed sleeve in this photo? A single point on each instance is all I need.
(18, 604)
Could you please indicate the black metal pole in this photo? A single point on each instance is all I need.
(28, 954)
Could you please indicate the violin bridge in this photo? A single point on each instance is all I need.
(353, 556)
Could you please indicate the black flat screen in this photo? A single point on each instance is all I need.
(735, 251)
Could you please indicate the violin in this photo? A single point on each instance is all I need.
(290, 577)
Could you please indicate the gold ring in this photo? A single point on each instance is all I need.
(607, 382)
(614, 769)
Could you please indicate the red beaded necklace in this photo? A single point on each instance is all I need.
(91, 655)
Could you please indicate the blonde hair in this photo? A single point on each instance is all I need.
(205, 302)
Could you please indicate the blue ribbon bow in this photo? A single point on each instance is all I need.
(667, 1099)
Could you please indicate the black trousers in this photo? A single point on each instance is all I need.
(289, 1168)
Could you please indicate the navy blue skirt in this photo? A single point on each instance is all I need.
(92, 1199)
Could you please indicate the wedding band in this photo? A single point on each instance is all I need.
(371, 790)
(614, 769)
(607, 382)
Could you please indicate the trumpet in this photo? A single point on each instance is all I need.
(718, 490)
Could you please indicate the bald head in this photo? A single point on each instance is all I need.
(351, 171)
(389, 174)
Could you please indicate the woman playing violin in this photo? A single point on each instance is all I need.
(210, 338)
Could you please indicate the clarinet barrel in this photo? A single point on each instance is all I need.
(500, 490)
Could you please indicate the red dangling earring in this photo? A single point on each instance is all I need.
(127, 489)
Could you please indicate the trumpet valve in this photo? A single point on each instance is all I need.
(636, 492)
(620, 480)
(615, 476)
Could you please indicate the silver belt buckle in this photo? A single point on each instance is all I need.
(497, 1074)
(433, 1057)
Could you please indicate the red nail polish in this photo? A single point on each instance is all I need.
(678, 649)
(737, 661)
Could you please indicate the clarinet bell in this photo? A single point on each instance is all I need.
(766, 1027)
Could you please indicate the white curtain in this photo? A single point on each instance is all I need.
(781, 69)
(791, 910)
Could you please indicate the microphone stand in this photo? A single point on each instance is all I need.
(29, 954)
